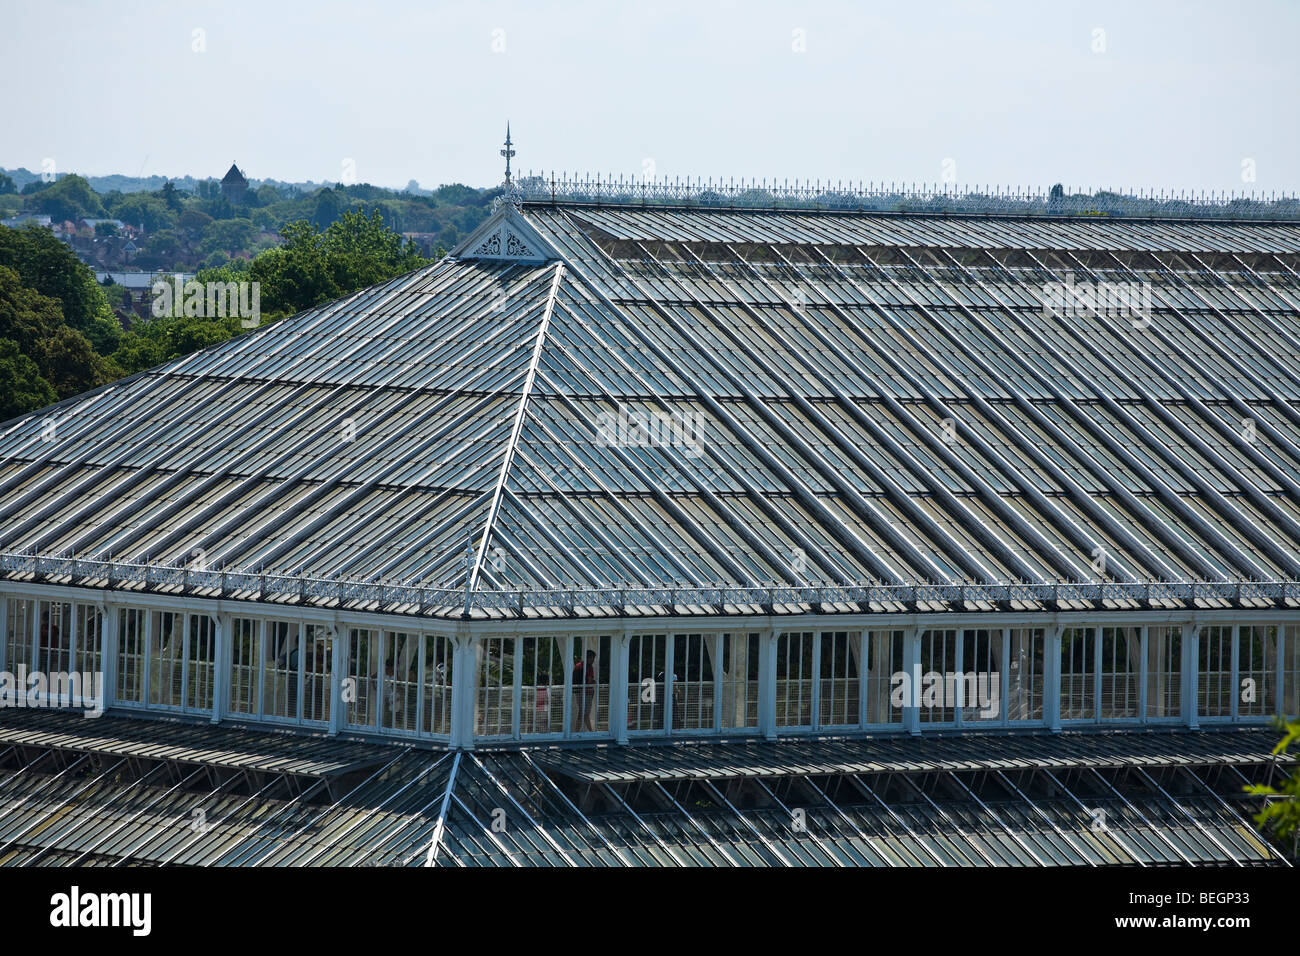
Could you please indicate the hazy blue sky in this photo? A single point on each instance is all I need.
(1174, 95)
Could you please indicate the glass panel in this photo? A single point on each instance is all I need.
(1214, 672)
(1078, 673)
(590, 681)
(693, 682)
(90, 639)
(18, 633)
(245, 644)
(360, 691)
(437, 684)
(401, 683)
(1290, 669)
(199, 663)
(316, 674)
(1025, 677)
(541, 684)
(166, 656)
(1164, 672)
(884, 663)
(496, 668)
(839, 702)
(54, 638)
(794, 679)
(282, 662)
(646, 664)
(1121, 665)
(740, 680)
(981, 683)
(1257, 671)
(939, 671)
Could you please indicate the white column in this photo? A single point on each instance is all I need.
(815, 715)
(1191, 658)
(912, 655)
(4, 633)
(338, 666)
(108, 644)
(618, 687)
(220, 666)
(767, 684)
(464, 688)
(1235, 684)
(1052, 678)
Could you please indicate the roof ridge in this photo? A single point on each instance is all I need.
(901, 199)
(507, 461)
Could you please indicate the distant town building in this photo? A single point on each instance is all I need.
(234, 186)
(24, 218)
(97, 225)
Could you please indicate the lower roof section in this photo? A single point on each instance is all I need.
(730, 760)
(225, 796)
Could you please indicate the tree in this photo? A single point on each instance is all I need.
(71, 365)
(1282, 815)
(171, 197)
(313, 267)
(228, 235)
(267, 194)
(329, 204)
(194, 223)
(47, 265)
(21, 386)
(146, 212)
(65, 358)
(69, 198)
(7, 184)
(363, 251)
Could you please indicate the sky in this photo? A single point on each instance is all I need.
(1132, 95)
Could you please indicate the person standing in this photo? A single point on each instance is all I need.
(584, 694)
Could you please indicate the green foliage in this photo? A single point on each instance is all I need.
(1282, 814)
(7, 184)
(306, 248)
(170, 197)
(194, 222)
(69, 198)
(313, 267)
(144, 211)
(362, 251)
(65, 358)
(229, 236)
(21, 386)
(52, 269)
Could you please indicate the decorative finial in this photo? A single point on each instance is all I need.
(511, 193)
(508, 153)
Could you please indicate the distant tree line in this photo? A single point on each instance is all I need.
(60, 335)
(187, 230)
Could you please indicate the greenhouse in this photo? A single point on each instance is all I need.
(901, 514)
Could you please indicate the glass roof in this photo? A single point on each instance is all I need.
(744, 397)
(131, 793)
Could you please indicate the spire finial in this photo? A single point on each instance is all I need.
(508, 153)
